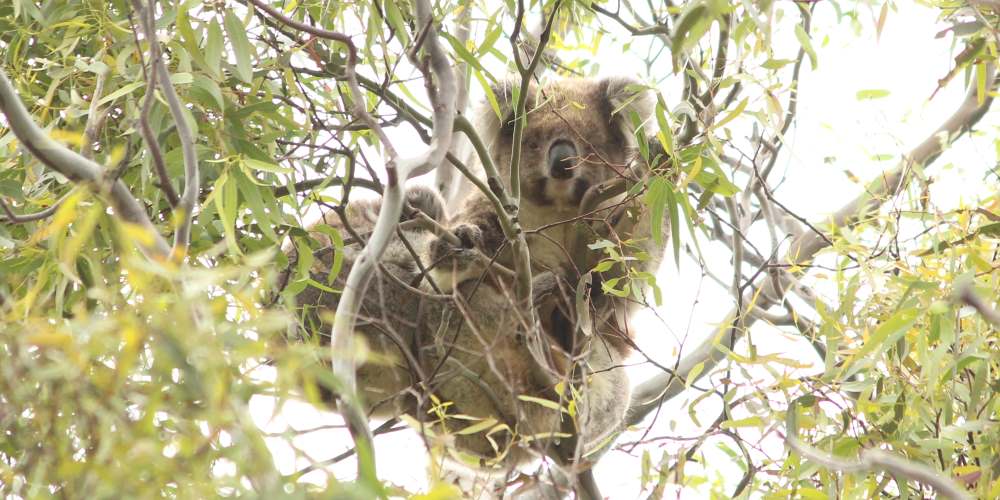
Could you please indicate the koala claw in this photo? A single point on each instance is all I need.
(453, 265)
(470, 236)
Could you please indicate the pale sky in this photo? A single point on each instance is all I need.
(834, 133)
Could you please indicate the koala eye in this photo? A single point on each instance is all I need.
(533, 145)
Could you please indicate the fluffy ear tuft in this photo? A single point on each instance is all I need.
(488, 123)
(625, 95)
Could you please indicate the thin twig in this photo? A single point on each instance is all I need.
(13, 218)
(969, 297)
(152, 143)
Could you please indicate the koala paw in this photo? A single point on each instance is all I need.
(456, 264)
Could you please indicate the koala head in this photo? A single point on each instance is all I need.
(578, 134)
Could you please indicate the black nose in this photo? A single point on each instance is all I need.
(561, 156)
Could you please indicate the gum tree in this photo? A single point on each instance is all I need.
(155, 157)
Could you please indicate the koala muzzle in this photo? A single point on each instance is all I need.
(561, 156)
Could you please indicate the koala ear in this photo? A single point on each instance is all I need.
(503, 92)
(488, 121)
(622, 96)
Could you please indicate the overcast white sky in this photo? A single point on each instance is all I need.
(834, 133)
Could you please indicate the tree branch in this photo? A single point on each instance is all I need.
(967, 296)
(152, 144)
(444, 177)
(192, 176)
(13, 218)
(94, 118)
(77, 168)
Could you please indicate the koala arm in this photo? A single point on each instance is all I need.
(481, 239)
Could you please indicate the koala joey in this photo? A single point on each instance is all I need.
(469, 350)
(578, 135)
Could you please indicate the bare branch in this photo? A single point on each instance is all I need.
(448, 184)
(152, 144)
(969, 297)
(653, 392)
(352, 55)
(872, 458)
(342, 336)
(13, 218)
(94, 118)
(308, 184)
(192, 176)
(77, 168)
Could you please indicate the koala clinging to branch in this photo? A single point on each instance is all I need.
(469, 350)
(578, 136)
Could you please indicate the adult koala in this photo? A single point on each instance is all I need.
(469, 350)
(578, 137)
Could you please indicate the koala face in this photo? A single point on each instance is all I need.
(578, 134)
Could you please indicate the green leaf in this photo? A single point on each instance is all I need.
(253, 198)
(732, 114)
(488, 90)
(213, 48)
(225, 202)
(462, 52)
(181, 78)
(395, 19)
(477, 427)
(776, 63)
(656, 199)
(803, 37)
(753, 421)
(675, 223)
(204, 87)
(692, 25)
(872, 94)
(491, 37)
(693, 374)
(664, 135)
(583, 304)
(338, 249)
(127, 89)
(265, 166)
(884, 337)
(552, 405)
(241, 46)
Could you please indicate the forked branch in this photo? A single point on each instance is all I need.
(78, 169)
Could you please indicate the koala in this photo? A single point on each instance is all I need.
(578, 135)
(469, 350)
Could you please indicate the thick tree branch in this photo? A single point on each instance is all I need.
(442, 94)
(342, 338)
(77, 168)
(448, 184)
(653, 392)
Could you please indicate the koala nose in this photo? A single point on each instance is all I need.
(561, 156)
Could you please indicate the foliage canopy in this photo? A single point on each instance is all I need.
(128, 371)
